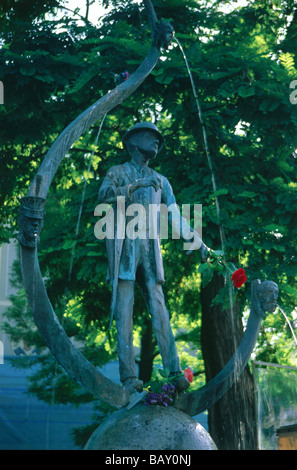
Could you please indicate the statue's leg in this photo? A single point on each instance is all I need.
(153, 293)
(154, 297)
(124, 324)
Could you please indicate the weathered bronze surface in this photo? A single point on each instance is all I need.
(140, 260)
(264, 299)
(31, 220)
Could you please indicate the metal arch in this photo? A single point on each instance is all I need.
(206, 396)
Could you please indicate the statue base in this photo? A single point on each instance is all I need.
(150, 427)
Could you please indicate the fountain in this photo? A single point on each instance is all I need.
(166, 428)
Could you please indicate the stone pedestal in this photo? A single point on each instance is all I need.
(150, 427)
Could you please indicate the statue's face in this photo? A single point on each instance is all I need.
(147, 143)
(268, 294)
(31, 228)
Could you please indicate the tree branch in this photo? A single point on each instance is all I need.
(84, 18)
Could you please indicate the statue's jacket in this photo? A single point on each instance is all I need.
(121, 250)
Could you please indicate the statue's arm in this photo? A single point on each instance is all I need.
(113, 187)
(179, 223)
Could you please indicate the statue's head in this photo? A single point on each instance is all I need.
(267, 292)
(144, 137)
(31, 220)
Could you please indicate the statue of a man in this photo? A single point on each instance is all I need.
(139, 259)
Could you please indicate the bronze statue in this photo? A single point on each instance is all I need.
(140, 260)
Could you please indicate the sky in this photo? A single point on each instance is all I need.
(96, 10)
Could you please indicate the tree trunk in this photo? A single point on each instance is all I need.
(231, 420)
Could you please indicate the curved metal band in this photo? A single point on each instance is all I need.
(204, 398)
(75, 364)
(85, 120)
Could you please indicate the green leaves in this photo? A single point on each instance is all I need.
(207, 276)
(207, 270)
(288, 61)
(160, 378)
(247, 194)
(221, 192)
(68, 244)
(246, 91)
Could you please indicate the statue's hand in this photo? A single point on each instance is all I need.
(154, 181)
(197, 244)
(204, 250)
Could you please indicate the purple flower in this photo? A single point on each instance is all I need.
(163, 398)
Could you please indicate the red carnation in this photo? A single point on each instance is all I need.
(189, 374)
(238, 277)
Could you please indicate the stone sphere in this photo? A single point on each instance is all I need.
(150, 427)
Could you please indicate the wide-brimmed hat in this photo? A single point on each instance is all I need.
(143, 126)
